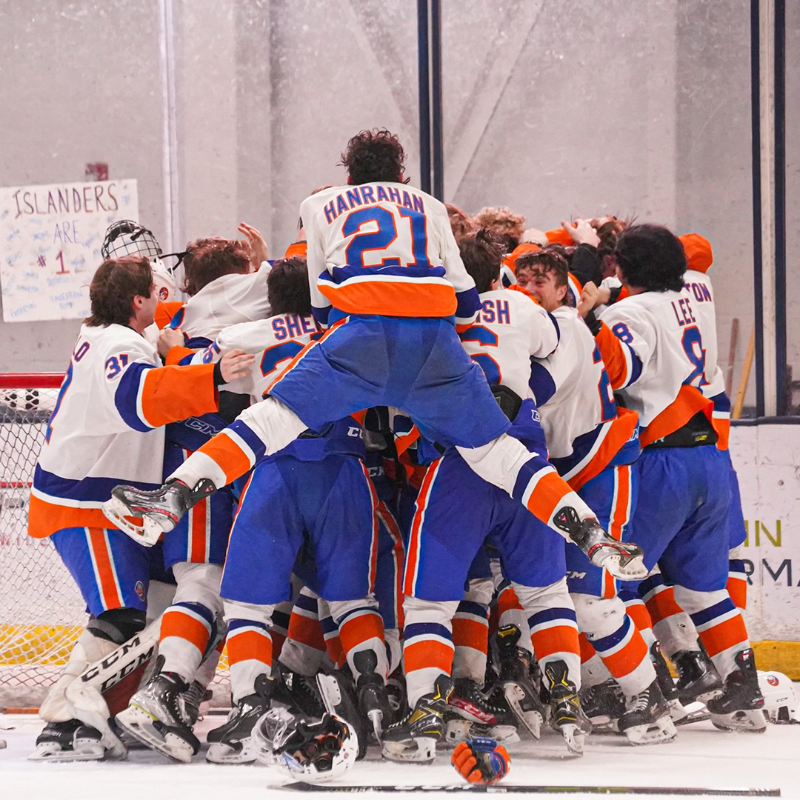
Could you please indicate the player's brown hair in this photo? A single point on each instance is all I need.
(460, 222)
(375, 155)
(209, 259)
(482, 256)
(546, 260)
(503, 223)
(114, 285)
(287, 284)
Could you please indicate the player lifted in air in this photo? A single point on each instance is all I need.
(387, 278)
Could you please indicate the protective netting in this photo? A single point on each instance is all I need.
(41, 610)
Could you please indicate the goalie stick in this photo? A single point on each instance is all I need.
(504, 788)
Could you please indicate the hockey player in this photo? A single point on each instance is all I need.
(386, 276)
(652, 344)
(107, 425)
(314, 495)
(594, 445)
(457, 510)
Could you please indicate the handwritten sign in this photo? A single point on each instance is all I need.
(50, 239)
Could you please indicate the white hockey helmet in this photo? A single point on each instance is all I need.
(310, 750)
(164, 281)
(780, 700)
(129, 238)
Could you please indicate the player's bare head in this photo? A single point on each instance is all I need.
(482, 256)
(113, 289)
(650, 257)
(375, 155)
(503, 223)
(545, 274)
(209, 259)
(460, 222)
(287, 284)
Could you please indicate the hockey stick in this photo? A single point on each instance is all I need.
(519, 789)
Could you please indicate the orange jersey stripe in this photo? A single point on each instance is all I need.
(174, 393)
(176, 354)
(559, 639)
(625, 661)
(507, 600)
(250, 646)
(428, 654)
(587, 648)
(175, 623)
(663, 604)
(619, 514)
(46, 518)
(613, 356)
(392, 299)
(228, 456)
(307, 631)
(101, 552)
(737, 589)
(333, 647)
(165, 312)
(727, 634)
(359, 629)
(639, 615)
(722, 425)
(198, 532)
(619, 433)
(469, 633)
(688, 403)
(413, 541)
(547, 496)
(398, 560)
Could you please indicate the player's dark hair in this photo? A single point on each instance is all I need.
(547, 260)
(209, 259)
(114, 285)
(287, 284)
(651, 257)
(482, 257)
(375, 155)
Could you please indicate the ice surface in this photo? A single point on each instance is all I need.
(700, 757)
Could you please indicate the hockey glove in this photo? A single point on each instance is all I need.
(481, 760)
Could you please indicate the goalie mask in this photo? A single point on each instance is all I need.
(129, 238)
(311, 750)
(780, 701)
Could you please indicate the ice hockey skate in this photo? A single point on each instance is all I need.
(373, 700)
(739, 706)
(297, 692)
(472, 712)
(566, 715)
(230, 743)
(520, 693)
(68, 741)
(697, 678)
(647, 718)
(414, 738)
(603, 704)
(624, 560)
(159, 717)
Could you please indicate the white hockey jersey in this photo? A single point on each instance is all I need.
(653, 349)
(106, 427)
(584, 428)
(509, 329)
(384, 248)
(225, 301)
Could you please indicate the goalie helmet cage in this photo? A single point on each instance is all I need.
(41, 610)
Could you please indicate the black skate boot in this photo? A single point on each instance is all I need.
(697, 677)
(157, 716)
(647, 719)
(738, 707)
(193, 698)
(471, 712)
(298, 692)
(603, 704)
(515, 678)
(160, 510)
(230, 743)
(373, 699)
(681, 715)
(338, 693)
(566, 715)
(624, 560)
(68, 741)
(414, 738)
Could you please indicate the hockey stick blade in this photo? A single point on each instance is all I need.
(519, 789)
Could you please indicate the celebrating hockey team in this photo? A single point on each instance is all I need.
(431, 482)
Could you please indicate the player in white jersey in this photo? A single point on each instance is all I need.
(672, 625)
(457, 512)
(653, 348)
(108, 423)
(594, 445)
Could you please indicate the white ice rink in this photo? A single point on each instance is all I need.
(700, 757)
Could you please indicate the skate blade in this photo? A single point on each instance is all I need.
(658, 732)
(459, 730)
(376, 718)
(220, 753)
(50, 751)
(420, 750)
(574, 738)
(532, 720)
(138, 723)
(148, 533)
(687, 714)
(741, 721)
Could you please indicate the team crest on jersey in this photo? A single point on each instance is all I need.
(139, 589)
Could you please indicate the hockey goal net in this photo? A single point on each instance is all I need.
(41, 609)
